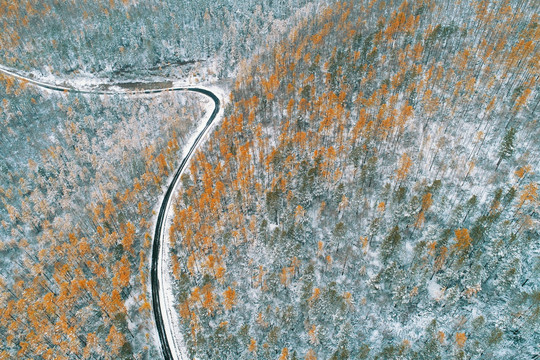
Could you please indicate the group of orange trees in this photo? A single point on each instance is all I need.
(372, 191)
(79, 178)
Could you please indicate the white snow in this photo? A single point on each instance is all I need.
(171, 319)
(434, 289)
(89, 83)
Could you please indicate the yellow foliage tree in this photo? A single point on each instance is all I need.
(252, 346)
(229, 298)
(311, 355)
(404, 166)
(460, 339)
(463, 240)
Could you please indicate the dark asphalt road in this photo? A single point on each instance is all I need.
(161, 220)
(158, 234)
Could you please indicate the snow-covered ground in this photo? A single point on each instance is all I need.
(171, 319)
(91, 84)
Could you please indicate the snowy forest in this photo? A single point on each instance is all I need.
(133, 38)
(80, 177)
(370, 191)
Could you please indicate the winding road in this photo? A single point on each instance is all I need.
(158, 304)
(159, 233)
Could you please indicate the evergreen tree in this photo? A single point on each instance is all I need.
(507, 146)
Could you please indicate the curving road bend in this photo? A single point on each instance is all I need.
(159, 234)
(166, 337)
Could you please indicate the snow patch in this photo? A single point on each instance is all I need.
(92, 84)
(434, 289)
(171, 318)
